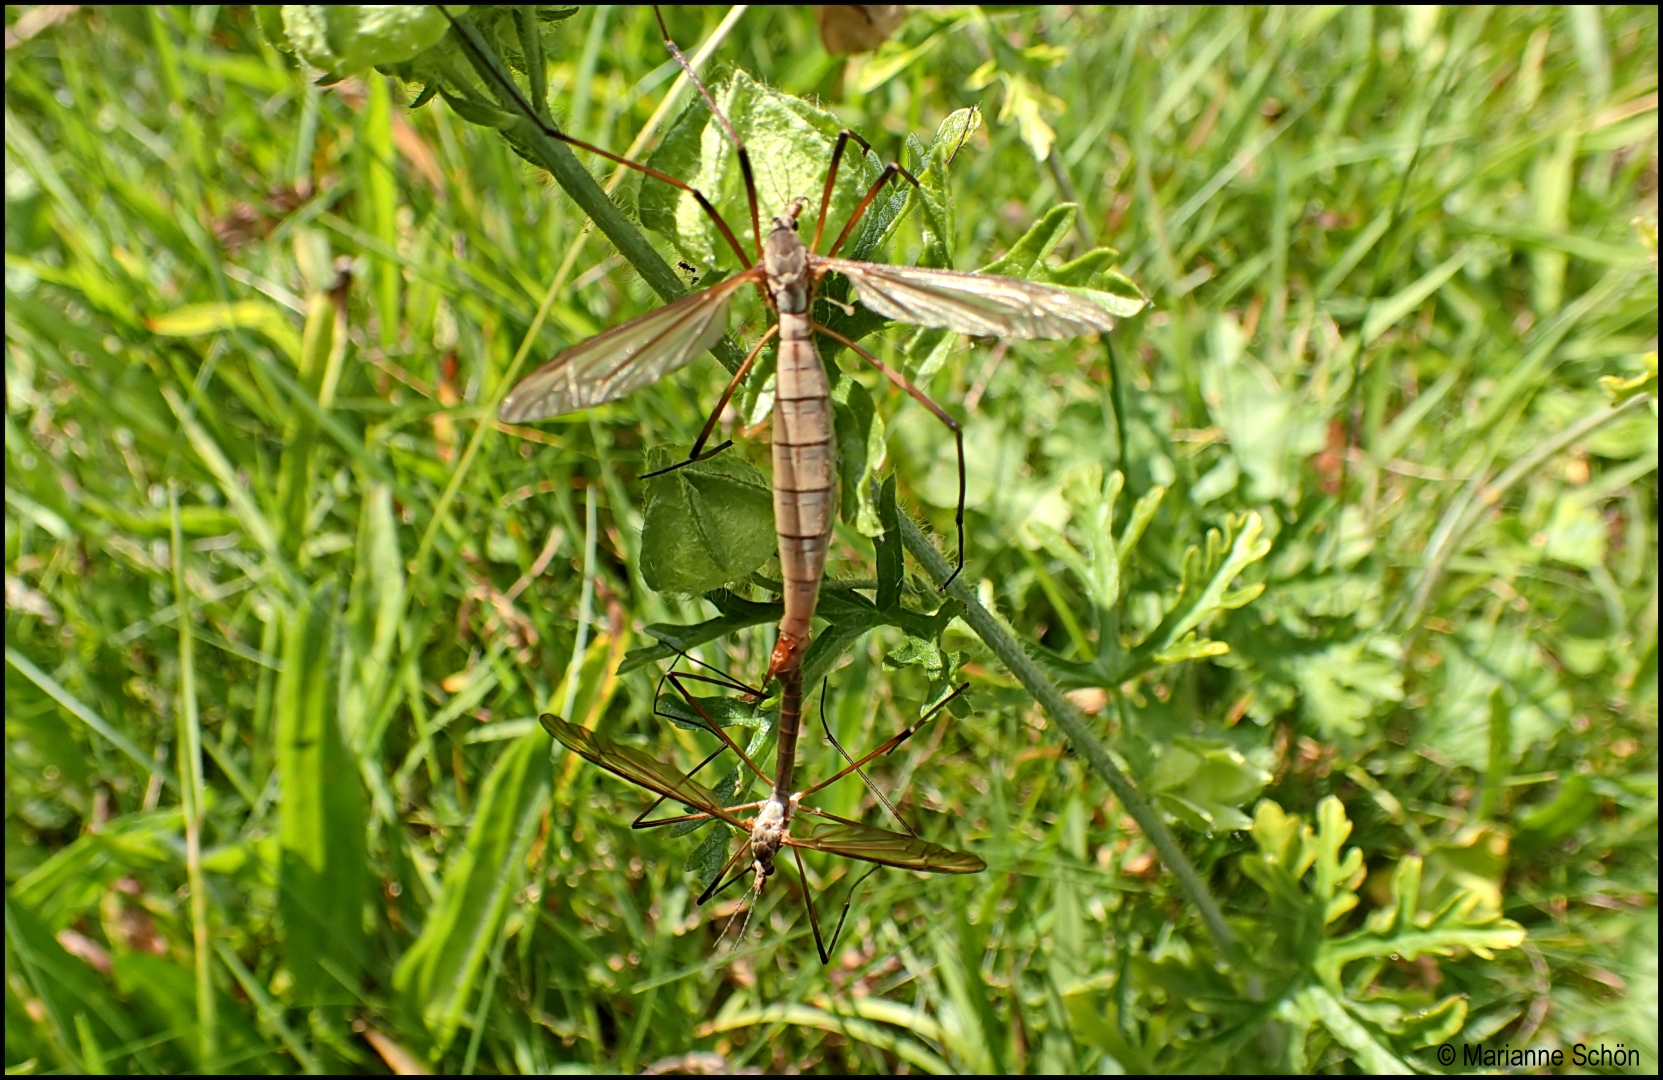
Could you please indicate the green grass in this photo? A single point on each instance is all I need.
(1341, 547)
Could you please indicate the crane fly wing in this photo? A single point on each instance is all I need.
(882, 846)
(624, 358)
(636, 767)
(981, 304)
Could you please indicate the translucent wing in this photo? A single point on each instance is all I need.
(980, 304)
(882, 846)
(636, 767)
(624, 358)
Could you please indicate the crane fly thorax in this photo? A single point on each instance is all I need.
(768, 834)
(785, 261)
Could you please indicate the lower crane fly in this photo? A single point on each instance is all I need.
(770, 830)
(788, 274)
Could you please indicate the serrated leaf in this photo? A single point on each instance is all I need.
(789, 142)
(708, 857)
(1403, 932)
(678, 154)
(1207, 575)
(736, 614)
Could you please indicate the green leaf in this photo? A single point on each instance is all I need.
(737, 613)
(1572, 805)
(707, 524)
(711, 854)
(1386, 313)
(789, 142)
(1205, 783)
(861, 452)
(69, 885)
(723, 710)
(1036, 244)
(345, 38)
(324, 886)
(1207, 579)
(893, 57)
(1620, 389)
(1344, 684)
(891, 560)
(934, 194)
(374, 614)
(1401, 931)
(678, 154)
(476, 111)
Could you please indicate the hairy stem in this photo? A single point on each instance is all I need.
(989, 628)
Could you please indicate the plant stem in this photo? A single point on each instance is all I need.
(557, 158)
(994, 634)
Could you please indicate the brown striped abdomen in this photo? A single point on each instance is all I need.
(805, 479)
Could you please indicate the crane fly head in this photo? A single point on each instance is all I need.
(793, 211)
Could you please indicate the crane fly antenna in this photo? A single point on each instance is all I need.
(733, 136)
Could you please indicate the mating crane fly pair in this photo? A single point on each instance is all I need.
(788, 274)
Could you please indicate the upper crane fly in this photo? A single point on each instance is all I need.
(787, 273)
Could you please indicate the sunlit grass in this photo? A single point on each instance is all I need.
(1391, 253)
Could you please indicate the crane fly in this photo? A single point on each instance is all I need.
(788, 273)
(770, 830)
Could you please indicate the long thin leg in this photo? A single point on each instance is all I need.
(713, 888)
(890, 170)
(733, 136)
(894, 741)
(808, 902)
(675, 679)
(844, 754)
(719, 678)
(825, 947)
(716, 413)
(940, 414)
(831, 179)
(531, 115)
(641, 821)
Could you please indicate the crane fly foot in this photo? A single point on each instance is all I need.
(691, 459)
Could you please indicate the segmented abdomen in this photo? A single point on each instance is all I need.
(805, 468)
